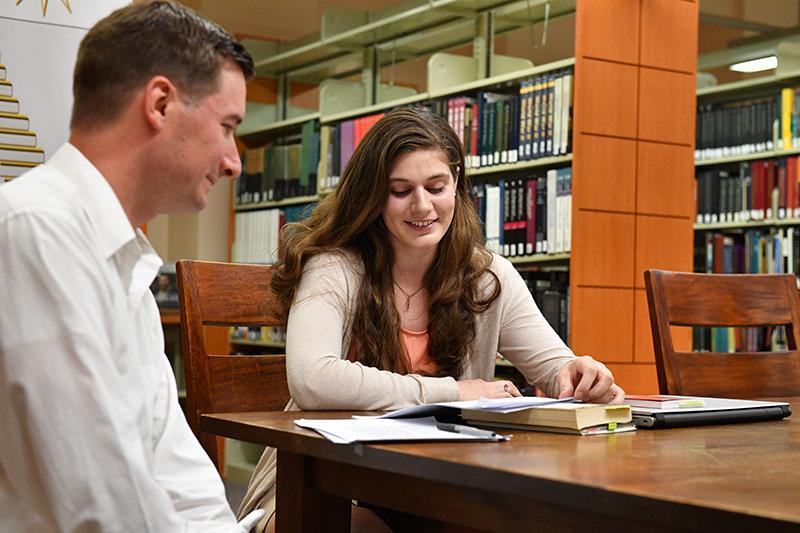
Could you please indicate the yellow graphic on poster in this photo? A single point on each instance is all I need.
(18, 144)
(44, 6)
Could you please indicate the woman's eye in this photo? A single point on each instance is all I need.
(400, 194)
(436, 190)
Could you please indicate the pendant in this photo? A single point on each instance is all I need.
(408, 303)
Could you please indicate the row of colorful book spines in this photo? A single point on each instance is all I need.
(742, 203)
(775, 119)
(280, 189)
(519, 196)
(521, 242)
(519, 138)
(272, 334)
(732, 340)
(286, 161)
(774, 252)
(760, 188)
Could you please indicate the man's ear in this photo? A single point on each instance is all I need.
(159, 98)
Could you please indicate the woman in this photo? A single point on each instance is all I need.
(391, 298)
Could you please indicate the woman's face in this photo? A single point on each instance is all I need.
(421, 202)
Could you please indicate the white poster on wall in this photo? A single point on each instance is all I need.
(38, 43)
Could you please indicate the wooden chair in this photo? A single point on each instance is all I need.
(738, 300)
(226, 294)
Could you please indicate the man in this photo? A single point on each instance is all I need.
(91, 434)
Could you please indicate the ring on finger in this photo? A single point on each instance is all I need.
(505, 387)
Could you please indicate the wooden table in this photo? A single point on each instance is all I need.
(743, 477)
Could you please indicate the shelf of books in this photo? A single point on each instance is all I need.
(747, 192)
(515, 128)
(529, 135)
(747, 178)
(264, 337)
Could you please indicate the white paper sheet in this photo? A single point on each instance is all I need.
(373, 429)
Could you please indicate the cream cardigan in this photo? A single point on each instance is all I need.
(320, 376)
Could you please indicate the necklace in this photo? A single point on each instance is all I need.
(407, 295)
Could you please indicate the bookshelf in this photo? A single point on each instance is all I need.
(750, 194)
(638, 58)
(770, 154)
(772, 222)
(747, 191)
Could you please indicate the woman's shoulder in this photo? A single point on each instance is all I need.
(335, 261)
(502, 267)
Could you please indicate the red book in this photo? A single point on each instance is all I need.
(770, 182)
(781, 184)
(791, 185)
(530, 204)
(658, 401)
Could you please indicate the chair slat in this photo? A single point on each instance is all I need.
(734, 300)
(750, 375)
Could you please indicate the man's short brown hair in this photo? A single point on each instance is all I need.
(134, 43)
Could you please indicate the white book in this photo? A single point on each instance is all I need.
(236, 253)
(493, 218)
(551, 210)
(557, 116)
(568, 211)
(6, 89)
(275, 226)
(559, 243)
(566, 103)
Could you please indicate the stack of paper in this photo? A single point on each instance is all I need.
(376, 429)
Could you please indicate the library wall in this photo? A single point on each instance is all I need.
(633, 205)
(38, 48)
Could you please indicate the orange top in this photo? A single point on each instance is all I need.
(416, 344)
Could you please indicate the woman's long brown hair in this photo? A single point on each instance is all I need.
(350, 219)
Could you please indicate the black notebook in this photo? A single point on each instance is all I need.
(701, 411)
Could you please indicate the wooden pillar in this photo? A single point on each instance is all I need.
(633, 166)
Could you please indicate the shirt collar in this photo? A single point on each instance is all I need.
(102, 207)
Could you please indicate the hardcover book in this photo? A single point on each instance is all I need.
(559, 416)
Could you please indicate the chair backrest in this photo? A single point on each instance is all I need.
(226, 294)
(725, 300)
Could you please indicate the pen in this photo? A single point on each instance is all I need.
(467, 430)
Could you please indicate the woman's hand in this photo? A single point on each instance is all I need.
(589, 381)
(472, 389)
